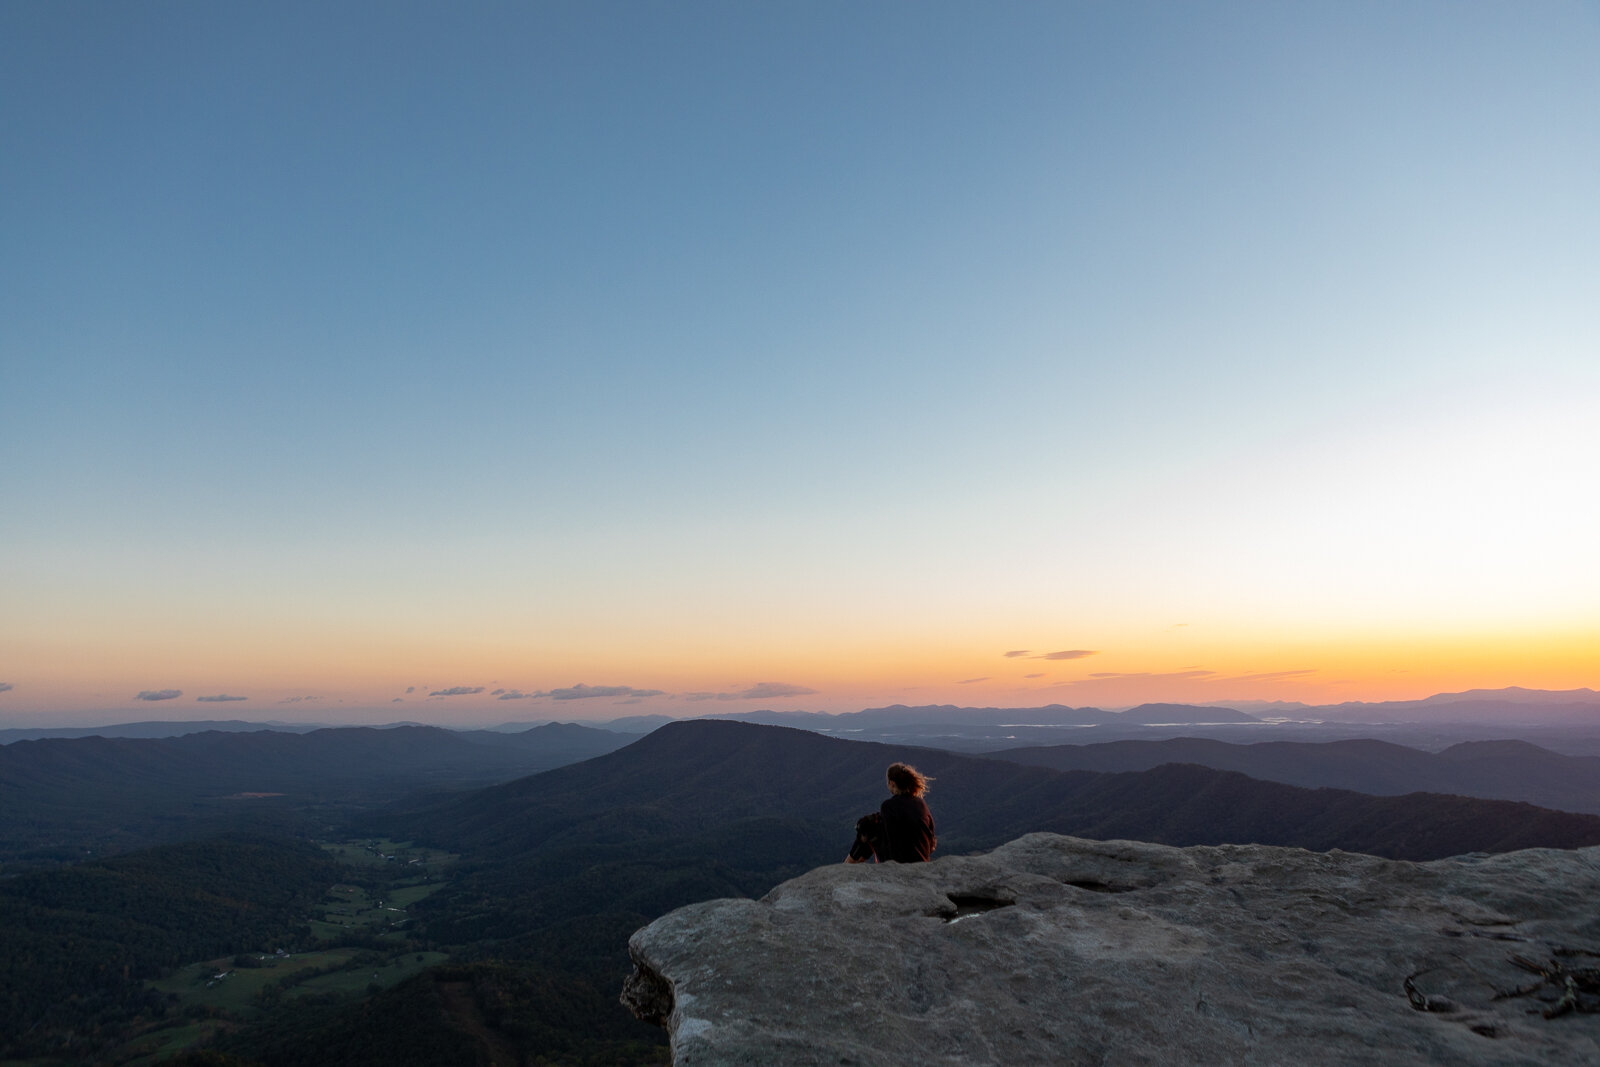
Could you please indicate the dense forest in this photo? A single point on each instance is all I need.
(54, 793)
(78, 945)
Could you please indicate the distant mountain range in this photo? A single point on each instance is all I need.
(178, 727)
(901, 717)
(1567, 720)
(1514, 705)
(152, 728)
(1511, 707)
(1504, 770)
(322, 760)
(60, 797)
(980, 728)
(54, 793)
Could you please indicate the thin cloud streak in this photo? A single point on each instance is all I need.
(1270, 676)
(589, 692)
(759, 691)
(1143, 676)
(159, 694)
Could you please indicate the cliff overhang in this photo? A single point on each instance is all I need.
(1062, 950)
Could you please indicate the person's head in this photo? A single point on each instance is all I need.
(906, 780)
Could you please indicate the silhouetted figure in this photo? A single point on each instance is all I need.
(902, 828)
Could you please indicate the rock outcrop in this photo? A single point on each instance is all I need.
(1059, 950)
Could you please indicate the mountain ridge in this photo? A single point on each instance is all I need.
(1500, 770)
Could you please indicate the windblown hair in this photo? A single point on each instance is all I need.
(907, 780)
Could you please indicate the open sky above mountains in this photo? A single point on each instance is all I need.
(488, 362)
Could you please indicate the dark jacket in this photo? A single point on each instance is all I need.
(908, 826)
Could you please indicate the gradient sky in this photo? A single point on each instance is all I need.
(693, 357)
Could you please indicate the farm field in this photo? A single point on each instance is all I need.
(237, 989)
(361, 979)
(239, 993)
(158, 1045)
(383, 852)
(348, 907)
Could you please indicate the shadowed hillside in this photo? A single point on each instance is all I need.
(690, 777)
(55, 793)
(706, 808)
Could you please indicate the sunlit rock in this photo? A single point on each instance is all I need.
(1059, 950)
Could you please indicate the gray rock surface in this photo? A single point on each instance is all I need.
(1059, 950)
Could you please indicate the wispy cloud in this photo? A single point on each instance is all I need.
(411, 689)
(768, 690)
(159, 694)
(1145, 676)
(1016, 652)
(586, 692)
(298, 700)
(969, 681)
(514, 694)
(5, 686)
(1039, 675)
(759, 691)
(220, 698)
(1270, 676)
(457, 691)
(1071, 653)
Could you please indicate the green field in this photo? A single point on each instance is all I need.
(164, 1043)
(236, 992)
(197, 983)
(382, 852)
(408, 875)
(405, 896)
(348, 908)
(358, 980)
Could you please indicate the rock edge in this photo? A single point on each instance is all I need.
(1063, 950)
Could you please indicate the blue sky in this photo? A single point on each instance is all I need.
(693, 346)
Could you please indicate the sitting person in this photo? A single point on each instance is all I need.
(902, 828)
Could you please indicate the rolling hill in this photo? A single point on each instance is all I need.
(55, 794)
(692, 776)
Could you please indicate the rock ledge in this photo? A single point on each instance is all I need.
(1067, 951)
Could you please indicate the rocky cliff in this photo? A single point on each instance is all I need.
(1060, 950)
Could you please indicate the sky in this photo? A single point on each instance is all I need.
(484, 362)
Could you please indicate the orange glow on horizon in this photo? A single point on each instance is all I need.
(1182, 664)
